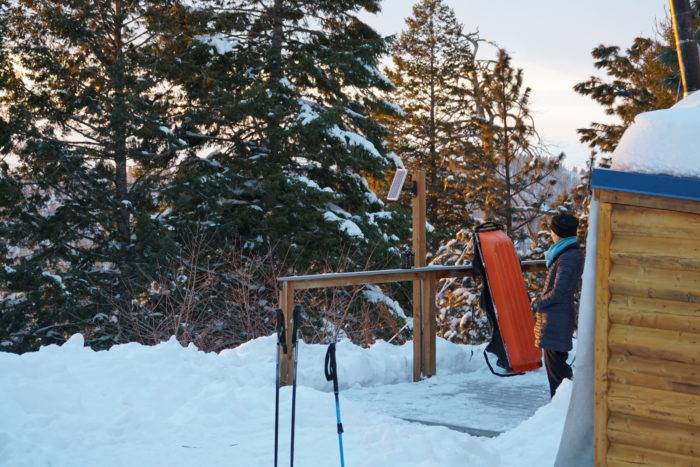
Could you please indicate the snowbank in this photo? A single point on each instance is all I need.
(663, 141)
(576, 447)
(166, 405)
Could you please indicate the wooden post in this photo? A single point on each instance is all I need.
(419, 251)
(286, 304)
(600, 391)
(428, 313)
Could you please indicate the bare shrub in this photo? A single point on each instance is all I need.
(219, 300)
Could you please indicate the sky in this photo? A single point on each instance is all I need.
(551, 40)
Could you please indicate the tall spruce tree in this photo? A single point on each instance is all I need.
(431, 61)
(97, 114)
(283, 132)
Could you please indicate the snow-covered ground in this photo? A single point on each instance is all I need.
(167, 405)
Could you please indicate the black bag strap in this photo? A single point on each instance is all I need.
(502, 375)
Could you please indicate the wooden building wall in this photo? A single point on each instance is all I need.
(647, 362)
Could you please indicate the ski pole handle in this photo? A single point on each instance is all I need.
(281, 340)
(331, 367)
(298, 309)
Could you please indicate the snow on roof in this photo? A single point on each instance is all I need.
(663, 141)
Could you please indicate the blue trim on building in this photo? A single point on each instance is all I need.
(665, 186)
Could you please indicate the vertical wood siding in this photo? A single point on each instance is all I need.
(647, 373)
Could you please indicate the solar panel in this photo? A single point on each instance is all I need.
(397, 184)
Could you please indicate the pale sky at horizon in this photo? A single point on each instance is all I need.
(551, 40)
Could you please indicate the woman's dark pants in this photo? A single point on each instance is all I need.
(557, 368)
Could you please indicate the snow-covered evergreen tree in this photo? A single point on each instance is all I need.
(285, 142)
(97, 117)
(431, 61)
(460, 319)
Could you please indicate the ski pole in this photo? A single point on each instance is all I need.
(331, 371)
(295, 341)
(281, 347)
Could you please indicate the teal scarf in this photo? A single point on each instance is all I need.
(555, 249)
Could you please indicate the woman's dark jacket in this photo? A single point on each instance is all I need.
(555, 312)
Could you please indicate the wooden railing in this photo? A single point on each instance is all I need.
(424, 310)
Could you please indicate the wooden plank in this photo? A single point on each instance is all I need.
(655, 313)
(624, 455)
(661, 253)
(345, 279)
(654, 373)
(418, 231)
(418, 218)
(677, 346)
(653, 202)
(654, 434)
(429, 313)
(604, 237)
(417, 331)
(641, 281)
(286, 304)
(632, 220)
(667, 406)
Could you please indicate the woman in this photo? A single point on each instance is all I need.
(554, 309)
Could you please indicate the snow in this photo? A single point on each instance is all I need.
(576, 448)
(394, 107)
(396, 160)
(311, 184)
(167, 405)
(353, 139)
(375, 72)
(663, 141)
(306, 113)
(221, 43)
(286, 83)
(55, 278)
(166, 130)
(346, 225)
(374, 294)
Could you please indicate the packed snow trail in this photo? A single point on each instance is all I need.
(477, 402)
(166, 405)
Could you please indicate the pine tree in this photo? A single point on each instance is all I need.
(643, 78)
(639, 82)
(97, 115)
(515, 180)
(430, 62)
(283, 134)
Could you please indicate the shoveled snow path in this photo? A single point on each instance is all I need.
(478, 403)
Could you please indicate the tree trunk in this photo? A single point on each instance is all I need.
(118, 122)
(431, 167)
(277, 18)
(686, 45)
(506, 162)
